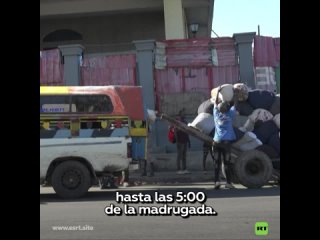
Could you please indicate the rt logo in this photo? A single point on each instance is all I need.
(261, 228)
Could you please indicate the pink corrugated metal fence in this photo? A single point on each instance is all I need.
(51, 69)
(109, 70)
(266, 51)
(277, 48)
(190, 68)
(196, 52)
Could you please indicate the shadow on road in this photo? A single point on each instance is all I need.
(210, 193)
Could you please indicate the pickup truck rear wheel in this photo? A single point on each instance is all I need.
(253, 169)
(71, 179)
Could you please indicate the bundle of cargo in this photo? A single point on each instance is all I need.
(259, 121)
(225, 94)
(262, 109)
(241, 92)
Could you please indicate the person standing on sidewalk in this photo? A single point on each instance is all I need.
(183, 141)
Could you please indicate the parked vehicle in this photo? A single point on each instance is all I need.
(88, 134)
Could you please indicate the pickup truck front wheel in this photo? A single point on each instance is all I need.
(71, 179)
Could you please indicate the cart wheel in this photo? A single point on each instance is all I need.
(253, 168)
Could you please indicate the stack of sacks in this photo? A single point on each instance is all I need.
(240, 92)
(244, 108)
(239, 134)
(239, 121)
(204, 122)
(276, 120)
(258, 119)
(275, 107)
(258, 115)
(261, 99)
(265, 130)
(262, 109)
(206, 107)
(248, 142)
(226, 93)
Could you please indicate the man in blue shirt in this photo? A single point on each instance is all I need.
(224, 134)
(223, 116)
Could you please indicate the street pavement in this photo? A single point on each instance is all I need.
(238, 211)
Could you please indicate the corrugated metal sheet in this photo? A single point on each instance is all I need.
(177, 80)
(277, 48)
(197, 53)
(189, 69)
(188, 53)
(226, 74)
(196, 80)
(109, 70)
(264, 52)
(226, 51)
(51, 69)
(168, 80)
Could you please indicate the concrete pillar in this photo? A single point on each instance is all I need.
(144, 50)
(174, 19)
(71, 55)
(244, 47)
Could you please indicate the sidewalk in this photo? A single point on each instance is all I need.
(170, 177)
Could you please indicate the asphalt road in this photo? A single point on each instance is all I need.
(238, 211)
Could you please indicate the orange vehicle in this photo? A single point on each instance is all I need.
(88, 134)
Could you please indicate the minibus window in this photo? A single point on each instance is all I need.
(54, 104)
(92, 103)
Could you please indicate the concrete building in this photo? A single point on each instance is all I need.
(112, 25)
